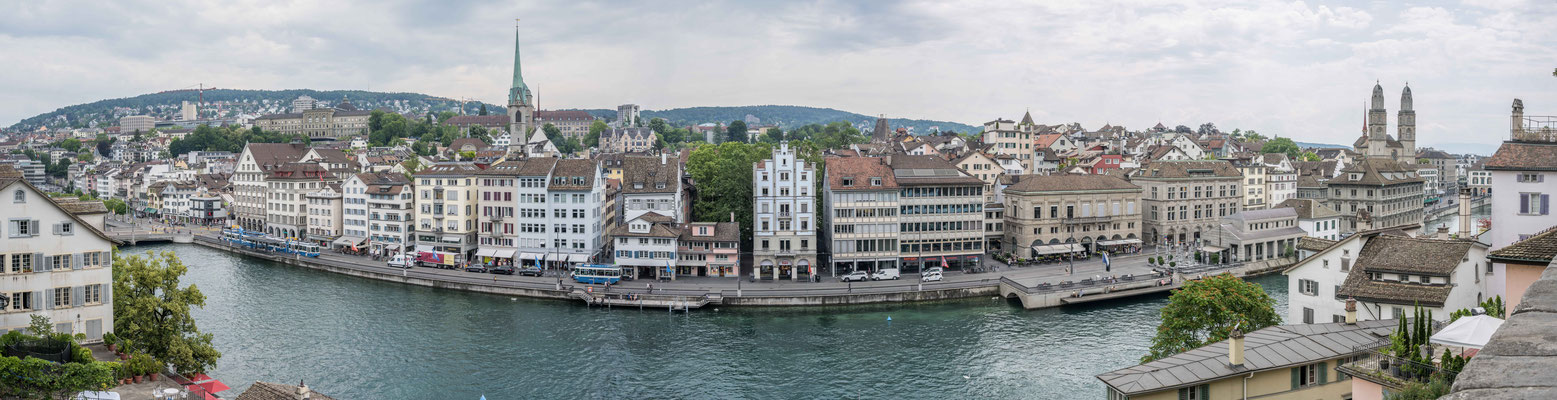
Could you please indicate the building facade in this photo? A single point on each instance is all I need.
(940, 214)
(53, 262)
(446, 213)
(1521, 194)
(1184, 200)
(1063, 214)
(784, 222)
(1390, 191)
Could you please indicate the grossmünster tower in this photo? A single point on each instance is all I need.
(1376, 142)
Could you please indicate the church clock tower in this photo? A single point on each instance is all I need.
(521, 105)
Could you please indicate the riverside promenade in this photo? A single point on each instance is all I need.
(1038, 286)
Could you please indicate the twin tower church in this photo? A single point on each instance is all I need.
(1376, 142)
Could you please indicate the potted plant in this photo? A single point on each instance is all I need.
(124, 349)
(111, 340)
(142, 364)
(123, 372)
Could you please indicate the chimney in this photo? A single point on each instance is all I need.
(662, 158)
(1351, 311)
(303, 393)
(1235, 348)
(1465, 214)
(732, 216)
(1443, 233)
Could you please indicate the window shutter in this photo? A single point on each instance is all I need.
(57, 229)
(1205, 392)
(37, 300)
(1546, 204)
(75, 295)
(48, 300)
(108, 293)
(1184, 394)
(38, 264)
(1295, 382)
(76, 264)
(1324, 373)
(1524, 204)
(13, 228)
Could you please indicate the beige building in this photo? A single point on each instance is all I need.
(1057, 214)
(941, 213)
(326, 123)
(859, 215)
(136, 123)
(984, 167)
(325, 214)
(286, 197)
(1391, 192)
(1254, 177)
(1012, 138)
(446, 211)
(572, 123)
(1185, 199)
(248, 179)
(627, 140)
(1296, 362)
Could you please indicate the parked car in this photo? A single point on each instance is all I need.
(856, 276)
(934, 270)
(502, 270)
(476, 268)
(931, 276)
(530, 271)
(885, 274)
(401, 261)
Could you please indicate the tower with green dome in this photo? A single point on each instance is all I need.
(521, 104)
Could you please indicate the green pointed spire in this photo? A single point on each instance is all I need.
(519, 93)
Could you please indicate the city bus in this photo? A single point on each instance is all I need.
(597, 273)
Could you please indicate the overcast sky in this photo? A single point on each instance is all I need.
(1299, 69)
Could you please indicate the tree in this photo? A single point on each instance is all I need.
(1281, 145)
(116, 206)
(1251, 135)
(595, 130)
(1208, 128)
(71, 145)
(1308, 156)
(152, 310)
(1438, 386)
(736, 131)
(1206, 311)
(104, 143)
(1183, 129)
(467, 155)
(659, 126)
(553, 133)
(483, 108)
(724, 176)
(445, 115)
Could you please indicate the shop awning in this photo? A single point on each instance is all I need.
(578, 258)
(1119, 242)
(349, 241)
(150, 210)
(1058, 248)
(422, 248)
(503, 253)
(529, 256)
(451, 239)
(1212, 249)
(484, 253)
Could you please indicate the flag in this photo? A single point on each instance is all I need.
(943, 263)
(1105, 259)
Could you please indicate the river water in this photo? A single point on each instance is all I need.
(355, 338)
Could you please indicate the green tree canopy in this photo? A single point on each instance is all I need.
(736, 131)
(723, 173)
(1281, 145)
(595, 129)
(1308, 156)
(1207, 310)
(71, 145)
(152, 310)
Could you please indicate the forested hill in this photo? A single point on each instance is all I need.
(230, 103)
(787, 117)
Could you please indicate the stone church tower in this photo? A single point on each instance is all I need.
(1378, 139)
(1405, 124)
(521, 105)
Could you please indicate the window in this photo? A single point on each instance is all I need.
(1308, 287)
(1308, 315)
(1308, 375)
(24, 228)
(21, 301)
(1534, 204)
(92, 294)
(67, 228)
(1202, 392)
(61, 297)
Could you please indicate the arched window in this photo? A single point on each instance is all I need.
(20, 197)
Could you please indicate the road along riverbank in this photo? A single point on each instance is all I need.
(1032, 287)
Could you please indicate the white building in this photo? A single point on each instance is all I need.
(647, 245)
(1389, 274)
(1280, 178)
(650, 184)
(784, 224)
(1521, 194)
(377, 209)
(325, 213)
(53, 261)
(1315, 218)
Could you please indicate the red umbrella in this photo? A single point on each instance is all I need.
(213, 386)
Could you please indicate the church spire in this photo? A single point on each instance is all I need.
(518, 93)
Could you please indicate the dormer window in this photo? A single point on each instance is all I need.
(660, 185)
(637, 185)
(1355, 176)
(875, 181)
(846, 182)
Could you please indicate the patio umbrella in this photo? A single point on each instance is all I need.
(1470, 332)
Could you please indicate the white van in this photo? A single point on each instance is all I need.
(401, 261)
(885, 274)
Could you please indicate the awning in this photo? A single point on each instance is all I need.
(503, 253)
(578, 258)
(484, 253)
(1119, 242)
(1473, 332)
(529, 256)
(150, 210)
(451, 239)
(1058, 248)
(1212, 249)
(349, 241)
(422, 248)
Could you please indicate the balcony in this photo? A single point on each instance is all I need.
(1086, 220)
(785, 214)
